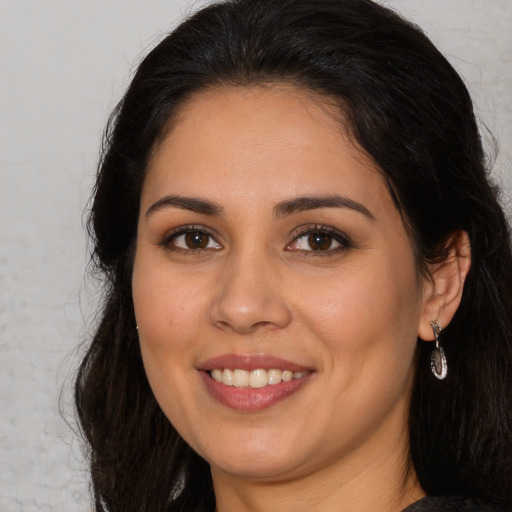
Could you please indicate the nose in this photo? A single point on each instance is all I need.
(250, 297)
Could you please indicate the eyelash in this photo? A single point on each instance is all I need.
(182, 231)
(336, 236)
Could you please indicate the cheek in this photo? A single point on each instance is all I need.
(367, 317)
(168, 315)
(169, 312)
(165, 303)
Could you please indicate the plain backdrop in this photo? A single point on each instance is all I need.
(63, 66)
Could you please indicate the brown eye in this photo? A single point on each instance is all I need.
(320, 241)
(196, 240)
(192, 239)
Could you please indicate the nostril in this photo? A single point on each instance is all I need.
(247, 321)
(244, 327)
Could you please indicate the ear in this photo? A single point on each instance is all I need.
(443, 292)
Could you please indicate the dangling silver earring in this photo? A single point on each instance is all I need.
(137, 327)
(438, 362)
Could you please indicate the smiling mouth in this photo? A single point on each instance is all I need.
(258, 378)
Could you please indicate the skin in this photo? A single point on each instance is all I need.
(351, 313)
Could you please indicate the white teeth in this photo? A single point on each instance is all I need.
(258, 378)
(240, 378)
(254, 379)
(287, 376)
(227, 377)
(274, 376)
(217, 375)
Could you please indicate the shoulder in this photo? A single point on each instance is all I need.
(450, 504)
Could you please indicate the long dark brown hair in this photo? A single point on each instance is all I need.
(406, 106)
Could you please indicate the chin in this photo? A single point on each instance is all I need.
(260, 459)
(274, 469)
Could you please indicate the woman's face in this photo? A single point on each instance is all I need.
(275, 287)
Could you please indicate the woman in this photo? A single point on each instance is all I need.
(308, 276)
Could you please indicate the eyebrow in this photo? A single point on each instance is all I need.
(300, 204)
(194, 204)
(282, 209)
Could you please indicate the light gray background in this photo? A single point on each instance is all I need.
(63, 66)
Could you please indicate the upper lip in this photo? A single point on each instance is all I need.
(250, 362)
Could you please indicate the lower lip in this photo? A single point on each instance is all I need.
(252, 399)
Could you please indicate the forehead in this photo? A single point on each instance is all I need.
(260, 142)
(264, 99)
